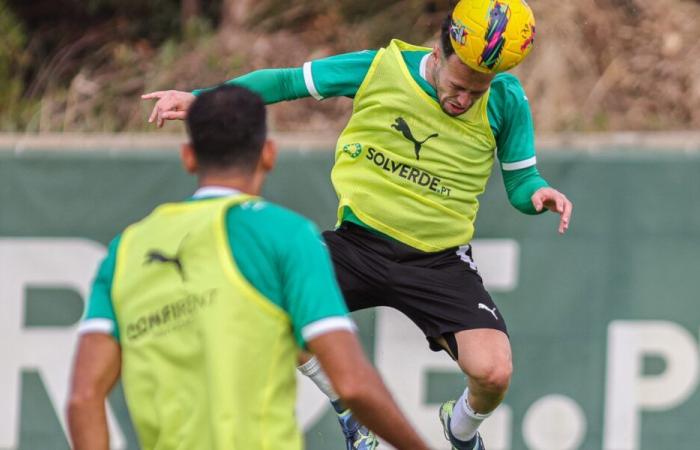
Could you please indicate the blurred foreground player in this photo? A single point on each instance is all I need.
(203, 306)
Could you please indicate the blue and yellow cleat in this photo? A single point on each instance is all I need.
(474, 443)
(357, 436)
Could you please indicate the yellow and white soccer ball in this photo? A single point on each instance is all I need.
(492, 36)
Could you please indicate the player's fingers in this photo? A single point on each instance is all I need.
(150, 95)
(160, 121)
(166, 103)
(566, 216)
(559, 203)
(537, 201)
(178, 115)
(562, 225)
(174, 115)
(154, 114)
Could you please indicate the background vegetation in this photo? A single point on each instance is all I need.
(72, 65)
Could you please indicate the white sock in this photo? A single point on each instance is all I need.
(312, 369)
(465, 421)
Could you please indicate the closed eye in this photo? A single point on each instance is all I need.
(471, 93)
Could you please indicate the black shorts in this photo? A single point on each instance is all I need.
(441, 292)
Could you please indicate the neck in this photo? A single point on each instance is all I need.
(430, 71)
(248, 184)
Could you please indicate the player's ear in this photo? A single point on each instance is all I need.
(437, 52)
(188, 158)
(268, 156)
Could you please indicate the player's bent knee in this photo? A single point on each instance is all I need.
(493, 377)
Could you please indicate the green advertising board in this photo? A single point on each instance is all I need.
(604, 321)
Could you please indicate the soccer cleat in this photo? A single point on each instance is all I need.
(357, 436)
(474, 443)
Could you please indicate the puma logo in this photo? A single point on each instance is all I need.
(156, 256)
(401, 125)
(492, 311)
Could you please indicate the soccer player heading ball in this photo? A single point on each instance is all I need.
(409, 168)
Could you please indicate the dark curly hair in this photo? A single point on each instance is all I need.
(445, 42)
(227, 128)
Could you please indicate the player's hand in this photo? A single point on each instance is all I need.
(171, 105)
(554, 201)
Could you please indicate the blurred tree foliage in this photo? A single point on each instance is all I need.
(57, 55)
(45, 44)
(380, 21)
(80, 65)
(53, 26)
(12, 61)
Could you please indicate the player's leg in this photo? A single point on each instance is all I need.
(311, 368)
(359, 265)
(484, 355)
(357, 436)
(444, 295)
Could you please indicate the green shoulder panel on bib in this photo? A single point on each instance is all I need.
(190, 324)
(282, 254)
(406, 168)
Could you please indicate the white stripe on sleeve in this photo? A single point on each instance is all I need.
(104, 326)
(520, 164)
(323, 326)
(309, 80)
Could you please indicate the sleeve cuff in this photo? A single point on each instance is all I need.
(104, 326)
(323, 326)
(522, 200)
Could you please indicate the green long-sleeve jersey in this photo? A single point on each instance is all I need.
(342, 75)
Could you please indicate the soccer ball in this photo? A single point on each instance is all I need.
(492, 36)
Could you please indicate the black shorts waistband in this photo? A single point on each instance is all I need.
(391, 248)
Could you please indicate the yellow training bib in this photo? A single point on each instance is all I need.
(406, 168)
(208, 363)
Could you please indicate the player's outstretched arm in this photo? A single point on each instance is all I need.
(95, 371)
(273, 85)
(554, 201)
(336, 76)
(361, 389)
(171, 105)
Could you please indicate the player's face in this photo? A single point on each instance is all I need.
(458, 87)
